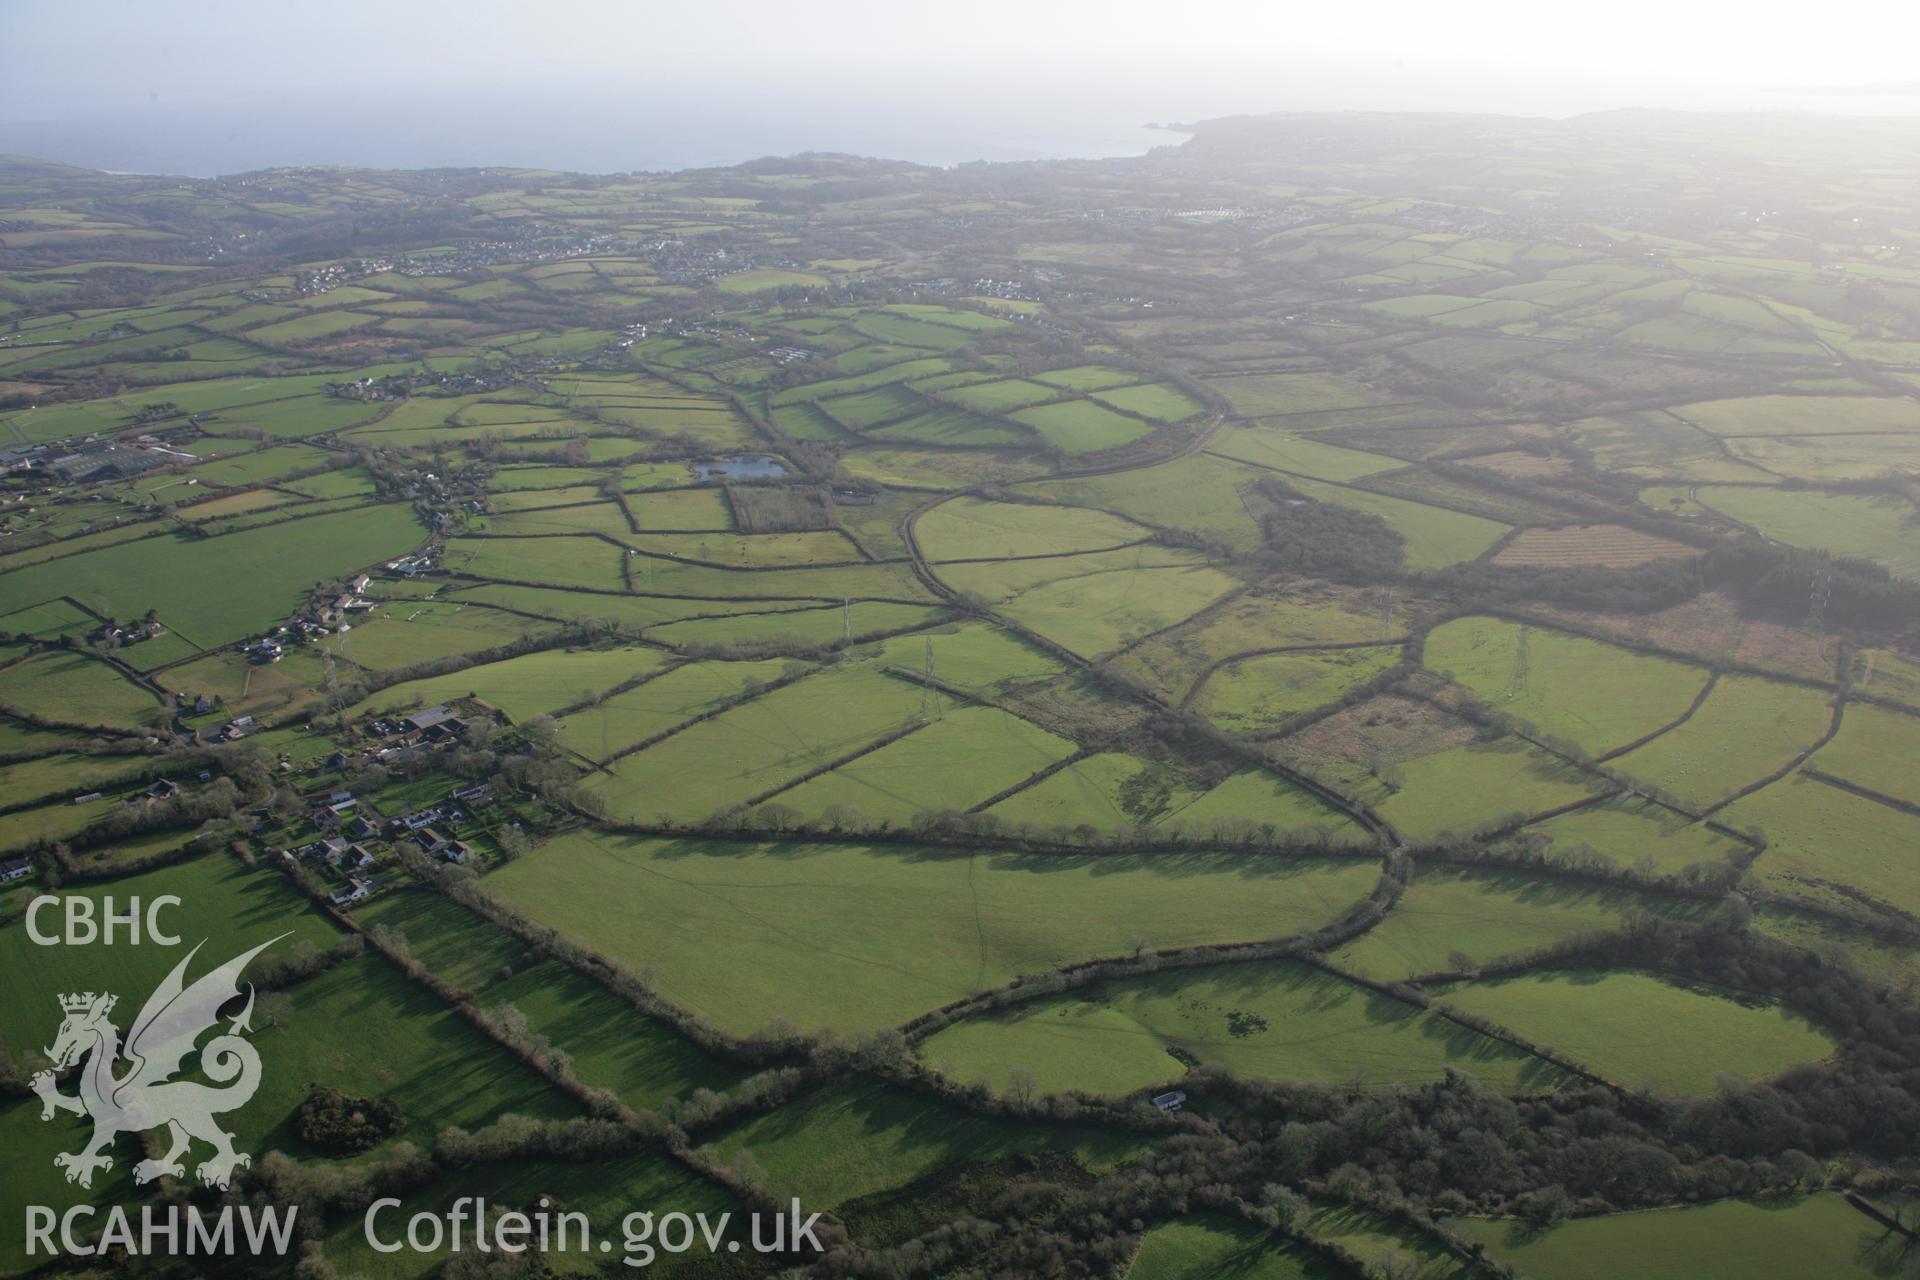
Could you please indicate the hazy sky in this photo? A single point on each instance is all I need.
(220, 84)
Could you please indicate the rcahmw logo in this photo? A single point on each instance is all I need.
(130, 1088)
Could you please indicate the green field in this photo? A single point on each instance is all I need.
(1747, 728)
(1080, 426)
(1819, 836)
(1453, 920)
(856, 1139)
(610, 1046)
(1096, 603)
(999, 397)
(759, 746)
(527, 686)
(1875, 749)
(70, 688)
(225, 904)
(967, 756)
(1460, 788)
(1435, 536)
(811, 933)
(1877, 528)
(969, 529)
(820, 625)
(1637, 834)
(1594, 694)
(407, 633)
(217, 590)
(1619, 1025)
(1299, 455)
(1109, 790)
(1253, 800)
(1255, 695)
(1297, 615)
(1159, 401)
(1198, 495)
(1819, 1235)
(1275, 1020)
(1216, 1247)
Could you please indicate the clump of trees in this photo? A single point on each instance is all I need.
(330, 1121)
(1325, 540)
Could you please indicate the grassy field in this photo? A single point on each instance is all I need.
(1254, 695)
(977, 657)
(954, 762)
(1819, 836)
(1160, 401)
(1747, 728)
(217, 590)
(1435, 536)
(1875, 749)
(1451, 920)
(1295, 615)
(1803, 415)
(1299, 455)
(821, 625)
(1819, 1235)
(222, 902)
(1619, 1025)
(811, 933)
(580, 561)
(527, 686)
(854, 1139)
(72, 688)
(1395, 1250)
(970, 529)
(1109, 790)
(1258, 799)
(1873, 527)
(407, 633)
(362, 1027)
(611, 1046)
(1598, 695)
(999, 397)
(1097, 603)
(1199, 495)
(760, 745)
(1080, 426)
(1218, 1247)
(1637, 834)
(24, 781)
(1460, 788)
(1275, 1020)
(949, 426)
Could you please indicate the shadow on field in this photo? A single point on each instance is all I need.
(1171, 865)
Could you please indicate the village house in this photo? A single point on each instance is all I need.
(16, 869)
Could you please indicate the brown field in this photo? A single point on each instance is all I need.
(781, 508)
(1389, 727)
(1610, 545)
(1514, 462)
(1712, 627)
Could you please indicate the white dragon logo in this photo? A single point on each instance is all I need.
(144, 1097)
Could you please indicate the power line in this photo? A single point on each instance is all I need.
(927, 703)
(1522, 664)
